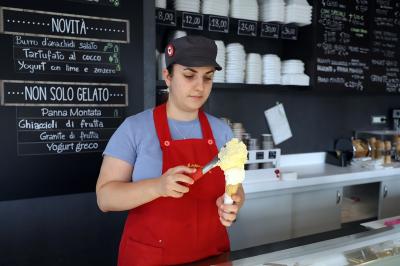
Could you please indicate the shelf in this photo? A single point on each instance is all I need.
(254, 87)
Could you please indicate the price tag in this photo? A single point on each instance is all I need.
(192, 21)
(218, 24)
(165, 17)
(289, 32)
(247, 27)
(270, 30)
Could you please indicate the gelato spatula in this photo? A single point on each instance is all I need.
(203, 170)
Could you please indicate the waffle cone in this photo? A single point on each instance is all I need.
(231, 189)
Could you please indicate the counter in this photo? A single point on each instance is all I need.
(377, 247)
(313, 171)
(334, 252)
(313, 203)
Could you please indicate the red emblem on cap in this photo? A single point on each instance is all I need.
(170, 50)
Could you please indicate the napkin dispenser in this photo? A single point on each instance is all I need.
(343, 153)
(339, 158)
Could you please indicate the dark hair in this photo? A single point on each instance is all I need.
(170, 69)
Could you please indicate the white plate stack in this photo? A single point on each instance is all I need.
(271, 69)
(160, 66)
(298, 12)
(293, 73)
(253, 68)
(272, 10)
(244, 9)
(212, 7)
(186, 5)
(235, 63)
(161, 3)
(219, 76)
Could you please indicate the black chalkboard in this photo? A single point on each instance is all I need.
(357, 45)
(65, 73)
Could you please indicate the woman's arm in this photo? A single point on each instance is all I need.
(116, 192)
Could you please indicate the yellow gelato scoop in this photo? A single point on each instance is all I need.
(233, 155)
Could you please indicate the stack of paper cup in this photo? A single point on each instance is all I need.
(272, 10)
(189, 6)
(298, 12)
(271, 69)
(238, 130)
(219, 76)
(253, 69)
(244, 9)
(161, 3)
(235, 63)
(212, 7)
(293, 73)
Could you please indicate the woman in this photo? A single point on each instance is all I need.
(148, 162)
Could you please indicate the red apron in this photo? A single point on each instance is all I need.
(173, 231)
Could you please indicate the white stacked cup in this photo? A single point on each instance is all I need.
(293, 73)
(253, 68)
(235, 63)
(272, 10)
(161, 3)
(244, 9)
(189, 6)
(212, 7)
(219, 76)
(298, 12)
(271, 69)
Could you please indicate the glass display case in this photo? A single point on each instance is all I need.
(375, 247)
(377, 144)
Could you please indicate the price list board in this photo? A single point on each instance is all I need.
(63, 93)
(218, 24)
(224, 25)
(357, 45)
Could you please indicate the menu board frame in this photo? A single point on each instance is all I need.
(75, 25)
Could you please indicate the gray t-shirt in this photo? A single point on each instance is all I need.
(136, 141)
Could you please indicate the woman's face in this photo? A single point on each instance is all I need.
(189, 86)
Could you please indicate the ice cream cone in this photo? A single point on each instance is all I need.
(231, 189)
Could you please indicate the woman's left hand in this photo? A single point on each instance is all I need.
(228, 213)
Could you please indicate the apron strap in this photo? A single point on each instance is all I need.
(161, 125)
(162, 128)
(206, 128)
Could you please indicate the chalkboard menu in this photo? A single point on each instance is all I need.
(63, 93)
(356, 45)
(385, 62)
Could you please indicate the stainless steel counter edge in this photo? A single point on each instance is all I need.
(328, 245)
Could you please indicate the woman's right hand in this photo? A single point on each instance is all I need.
(172, 182)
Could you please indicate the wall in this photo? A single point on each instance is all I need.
(70, 229)
(316, 119)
